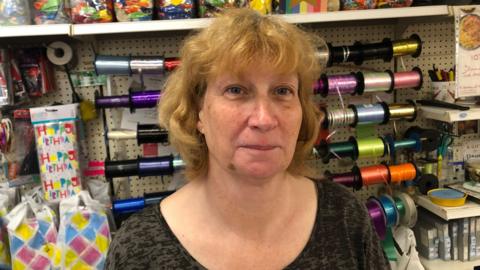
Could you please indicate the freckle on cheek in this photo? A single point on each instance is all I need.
(231, 167)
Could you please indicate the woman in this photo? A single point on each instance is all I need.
(240, 113)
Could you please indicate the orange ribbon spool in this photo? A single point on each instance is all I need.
(402, 172)
(376, 174)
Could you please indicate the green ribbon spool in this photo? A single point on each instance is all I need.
(400, 206)
(343, 149)
(370, 147)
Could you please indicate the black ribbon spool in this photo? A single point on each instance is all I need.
(325, 118)
(121, 168)
(155, 166)
(427, 182)
(150, 133)
(382, 50)
(335, 55)
(429, 138)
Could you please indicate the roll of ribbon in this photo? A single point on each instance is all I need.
(376, 81)
(376, 174)
(402, 172)
(121, 134)
(409, 219)
(410, 46)
(377, 215)
(391, 212)
(147, 65)
(344, 84)
(339, 118)
(112, 65)
(366, 114)
(348, 179)
(408, 79)
(59, 53)
(370, 147)
(406, 111)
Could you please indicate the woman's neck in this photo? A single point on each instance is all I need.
(253, 207)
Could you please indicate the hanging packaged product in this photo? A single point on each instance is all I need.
(49, 12)
(5, 98)
(56, 131)
(84, 233)
(33, 236)
(91, 11)
(175, 9)
(133, 10)
(19, 91)
(22, 163)
(14, 12)
(36, 70)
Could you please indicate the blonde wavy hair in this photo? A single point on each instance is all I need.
(233, 42)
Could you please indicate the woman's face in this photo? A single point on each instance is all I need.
(251, 123)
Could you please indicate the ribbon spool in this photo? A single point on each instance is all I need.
(146, 65)
(322, 54)
(341, 149)
(149, 133)
(348, 179)
(377, 215)
(427, 182)
(338, 118)
(121, 134)
(402, 172)
(319, 87)
(395, 145)
(375, 82)
(391, 212)
(59, 53)
(408, 79)
(381, 50)
(411, 46)
(343, 54)
(112, 65)
(404, 201)
(371, 175)
(347, 84)
(366, 114)
(371, 147)
(429, 138)
(398, 111)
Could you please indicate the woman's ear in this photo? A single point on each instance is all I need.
(200, 124)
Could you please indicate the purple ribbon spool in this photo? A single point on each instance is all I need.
(144, 99)
(347, 179)
(347, 84)
(377, 216)
(112, 101)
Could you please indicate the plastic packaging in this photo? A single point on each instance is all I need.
(36, 70)
(394, 3)
(175, 9)
(208, 8)
(48, 12)
(4, 74)
(56, 135)
(91, 11)
(358, 4)
(14, 12)
(133, 10)
(33, 236)
(84, 233)
(23, 164)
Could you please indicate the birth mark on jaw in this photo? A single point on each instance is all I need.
(231, 167)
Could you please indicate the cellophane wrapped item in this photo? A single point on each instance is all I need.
(394, 3)
(84, 233)
(175, 9)
(91, 11)
(133, 10)
(14, 12)
(208, 8)
(49, 12)
(57, 134)
(358, 4)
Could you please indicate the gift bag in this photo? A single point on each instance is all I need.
(91, 11)
(56, 136)
(84, 233)
(5, 204)
(32, 235)
(49, 12)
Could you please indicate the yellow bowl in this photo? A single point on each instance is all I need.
(447, 197)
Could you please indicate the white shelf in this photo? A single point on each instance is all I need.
(439, 264)
(79, 30)
(35, 30)
(448, 115)
(469, 209)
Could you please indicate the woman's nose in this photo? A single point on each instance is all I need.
(263, 116)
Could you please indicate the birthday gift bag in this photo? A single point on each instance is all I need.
(33, 236)
(84, 233)
(56, 136)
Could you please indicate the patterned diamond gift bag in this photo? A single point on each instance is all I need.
(84, 233)
(33, 236)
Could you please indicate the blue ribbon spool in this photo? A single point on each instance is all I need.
(391, 212)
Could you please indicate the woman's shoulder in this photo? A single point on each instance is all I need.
(140, 241)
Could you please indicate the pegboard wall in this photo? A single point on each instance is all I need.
(438, 49)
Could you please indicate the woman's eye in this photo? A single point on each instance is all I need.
(234, 90)
(283, 91)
